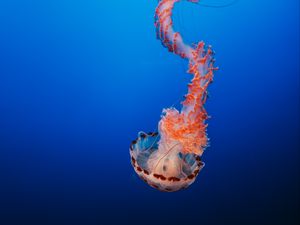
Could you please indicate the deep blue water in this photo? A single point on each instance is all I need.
(79, 79)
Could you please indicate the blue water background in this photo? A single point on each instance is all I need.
(79, 79)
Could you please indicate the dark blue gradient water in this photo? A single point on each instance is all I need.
(79, 79)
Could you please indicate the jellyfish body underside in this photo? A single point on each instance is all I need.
(163, 167)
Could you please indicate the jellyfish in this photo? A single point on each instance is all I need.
(170, 159)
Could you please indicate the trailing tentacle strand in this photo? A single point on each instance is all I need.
(187, 126)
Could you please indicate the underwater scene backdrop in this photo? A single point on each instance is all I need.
(79, 79)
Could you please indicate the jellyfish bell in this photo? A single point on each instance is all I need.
(163, 165)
